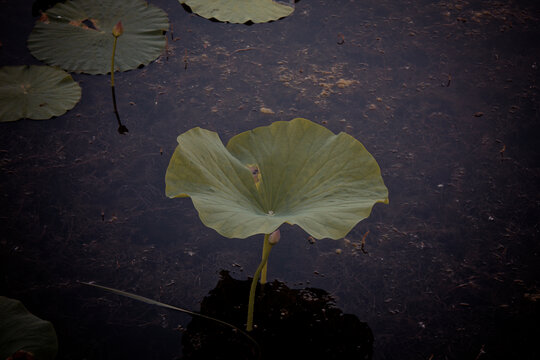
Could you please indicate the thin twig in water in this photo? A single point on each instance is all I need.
(167, 306)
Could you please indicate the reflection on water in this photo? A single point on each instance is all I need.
(122, 129)
(443, 94)
(289, 323)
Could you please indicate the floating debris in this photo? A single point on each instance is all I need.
(266, 110)
(343, 83)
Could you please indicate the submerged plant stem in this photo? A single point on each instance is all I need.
(121, 128)
(251, 304)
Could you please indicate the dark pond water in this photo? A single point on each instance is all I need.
(444, 94)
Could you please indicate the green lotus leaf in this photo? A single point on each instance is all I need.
(20, 330)
(77, 35)
(36, 92)
(294, 172)
(239, 11)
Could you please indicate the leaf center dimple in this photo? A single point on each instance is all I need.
(25, 88)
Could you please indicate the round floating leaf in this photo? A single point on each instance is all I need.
(36, 92)
(77, 35)
(239, 11)
(21, 330)
(296, 172)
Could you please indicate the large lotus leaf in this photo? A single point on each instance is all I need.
(296, 172)
(77, 35)
(20, 330)
(239, 11)
(36, 92)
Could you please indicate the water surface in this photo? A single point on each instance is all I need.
(443, 94)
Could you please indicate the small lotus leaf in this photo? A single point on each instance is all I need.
(20, 330)
(296, 172)
(239, 11)
(36, 92)
(77, 35)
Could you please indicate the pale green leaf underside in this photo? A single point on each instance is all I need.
(323, 182)
(36, 92)
(20, 330)
(78, 35)
(239, 11)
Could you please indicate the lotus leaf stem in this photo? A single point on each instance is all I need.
(266, 250)
(251, 304)
(112, 61)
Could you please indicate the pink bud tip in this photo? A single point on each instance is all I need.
(274, 237)
(118, 29)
